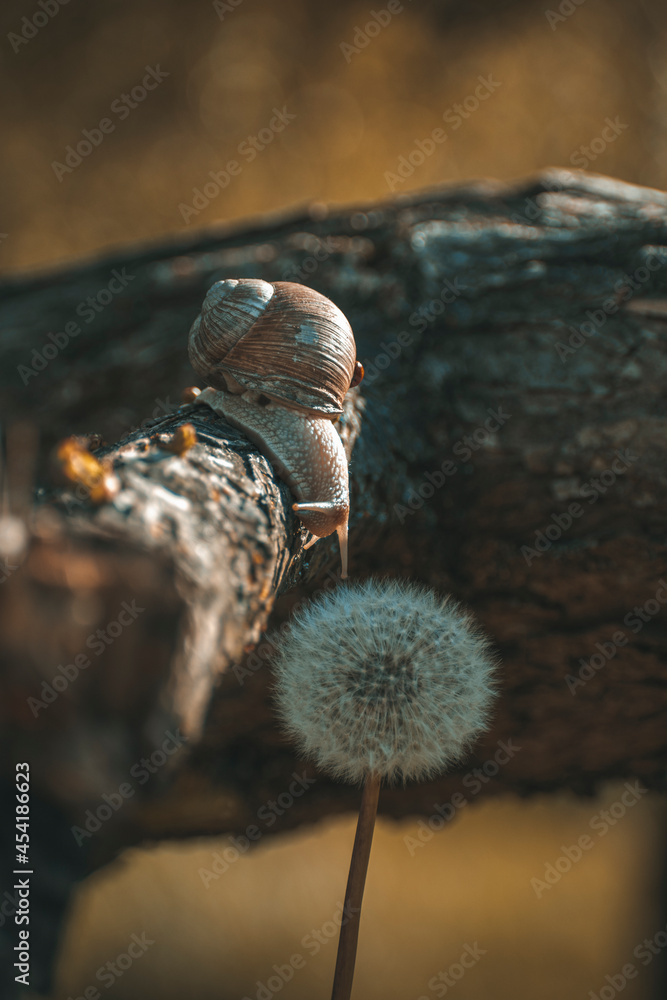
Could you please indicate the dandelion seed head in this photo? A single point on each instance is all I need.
(386, 677)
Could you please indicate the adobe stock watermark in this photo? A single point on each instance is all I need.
(428, 312)
(323, 248)
(565, 10)
(442, 983)
(464, 449)
(454, 117)
(121, 108)
(8, 907)
(162, 408)
(31, 26)
(96, 642)
(248, 149)
(624, 287)
(532, 210)
(267, 815)
(473, 781)
(419, 320)
(141, 772)
(312, 942)
(115, 969)
(6, 569)
(594, 489)
(263, 653)
(391, 351)
(644, 952)
(601, 823)
(585, 155)
(311, 263)
(363, 35)
(607, 650)
(87, 310)
(222, 7)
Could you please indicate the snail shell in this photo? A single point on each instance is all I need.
(283, 339)
(279, 359)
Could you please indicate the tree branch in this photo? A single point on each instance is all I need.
(514, 339)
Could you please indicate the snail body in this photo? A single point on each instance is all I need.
(279, 359)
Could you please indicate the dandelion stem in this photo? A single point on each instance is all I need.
(349, 931)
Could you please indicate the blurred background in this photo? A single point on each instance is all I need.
(135, 121)
(361, 99)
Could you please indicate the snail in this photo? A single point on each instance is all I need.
(279, 359)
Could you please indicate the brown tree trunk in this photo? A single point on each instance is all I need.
(507, 445)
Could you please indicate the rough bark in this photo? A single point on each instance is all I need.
(206, 544)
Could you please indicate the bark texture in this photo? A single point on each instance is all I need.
(507, 445)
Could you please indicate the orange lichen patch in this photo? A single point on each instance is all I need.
(80, 467)
(190, 393)
(183, 439)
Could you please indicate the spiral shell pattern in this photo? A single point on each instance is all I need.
(282, 339)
